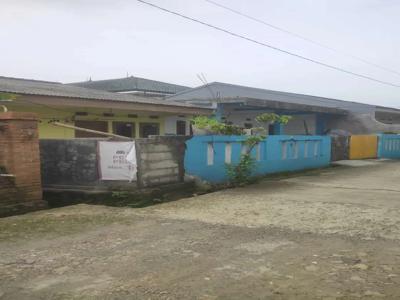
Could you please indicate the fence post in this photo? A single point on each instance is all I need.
(19, 158)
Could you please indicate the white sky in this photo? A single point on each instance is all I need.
(70, 40)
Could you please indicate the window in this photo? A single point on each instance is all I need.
(124, 128)
(180, 127)
(93, 125)
(146, 129)
(248, 125)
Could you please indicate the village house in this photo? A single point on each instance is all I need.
(123, 114)
(239, 105)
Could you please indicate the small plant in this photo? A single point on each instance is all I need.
(120, 195)
(8, 97)
(253, 140)
(204, 122)
(266, 119)
(242, 173)
(215, 126)
(272, 118)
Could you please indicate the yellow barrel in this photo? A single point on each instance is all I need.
(363, 146)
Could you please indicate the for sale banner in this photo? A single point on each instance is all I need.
(117, 160)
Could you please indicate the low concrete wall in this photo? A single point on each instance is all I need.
(206, 156)
(69, 162)
(160, 160)
(73, 164)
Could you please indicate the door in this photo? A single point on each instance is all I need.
(124, 128)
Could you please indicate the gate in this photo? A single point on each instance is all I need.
(363, 146)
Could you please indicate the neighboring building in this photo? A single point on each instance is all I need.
(134, 85)
(122, 114)
(240, 105)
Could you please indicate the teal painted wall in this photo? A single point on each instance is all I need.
(389, 146)
(206, 156)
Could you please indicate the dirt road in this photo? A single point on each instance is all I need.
(330, 234)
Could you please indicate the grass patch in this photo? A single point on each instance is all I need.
(51, 225)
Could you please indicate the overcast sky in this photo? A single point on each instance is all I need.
(70, 40)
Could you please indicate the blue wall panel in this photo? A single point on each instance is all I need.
(389, 146)
(277, 153)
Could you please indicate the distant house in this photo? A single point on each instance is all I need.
(240, 105)
(123, 114)
(134, 85)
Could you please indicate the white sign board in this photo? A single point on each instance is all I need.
(117, 160)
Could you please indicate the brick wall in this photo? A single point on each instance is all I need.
(19, 157)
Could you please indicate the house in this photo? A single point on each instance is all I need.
(123, 114)
(240, 105)
(134, 85)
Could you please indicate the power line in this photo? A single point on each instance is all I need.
(269, 46)
(302, 37)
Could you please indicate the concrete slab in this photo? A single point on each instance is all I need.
(358, 163)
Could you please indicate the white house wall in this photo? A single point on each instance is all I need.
(170, 125)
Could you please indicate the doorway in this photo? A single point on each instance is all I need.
(124, 128)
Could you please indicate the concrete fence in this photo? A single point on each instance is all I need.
(366, 147)
(72, 164)
(389, 146)
(340, 147)
(206, 156)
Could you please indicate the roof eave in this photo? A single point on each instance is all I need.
(272, 104)
(113, 104)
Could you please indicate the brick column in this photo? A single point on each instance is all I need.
(20, 182)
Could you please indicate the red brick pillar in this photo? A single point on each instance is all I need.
(20, 182)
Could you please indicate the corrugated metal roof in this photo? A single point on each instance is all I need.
(219, 90)
(132, 84)
(55, 89)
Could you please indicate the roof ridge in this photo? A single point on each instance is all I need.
(291, 93)
(126, 78)
(28, 79)
(190, 90)
(270, 91)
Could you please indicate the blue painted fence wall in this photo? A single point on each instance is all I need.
(206, 156)
(389, 146)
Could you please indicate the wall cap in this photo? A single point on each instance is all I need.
(19, 116)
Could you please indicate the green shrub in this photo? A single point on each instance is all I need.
(212, 124)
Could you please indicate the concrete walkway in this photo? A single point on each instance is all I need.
(327, 234)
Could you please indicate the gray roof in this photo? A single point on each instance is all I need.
(55, 89)
(227, 92)
(132, 84)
